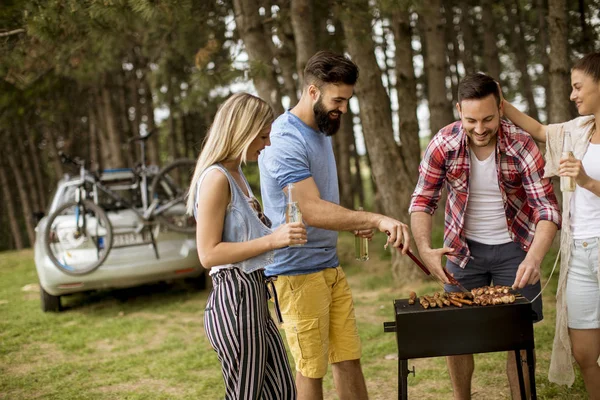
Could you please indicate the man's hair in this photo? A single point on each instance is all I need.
(328, 67)
(589, 65)
(477, 86)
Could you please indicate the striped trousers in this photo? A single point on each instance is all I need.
(240, 329)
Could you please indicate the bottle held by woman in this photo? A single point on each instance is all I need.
(567, 183)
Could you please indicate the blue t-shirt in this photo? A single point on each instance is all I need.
(298, 152)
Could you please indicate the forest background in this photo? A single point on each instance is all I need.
(83, 76)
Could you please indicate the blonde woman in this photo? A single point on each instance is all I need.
(235, 243)
(578, 296)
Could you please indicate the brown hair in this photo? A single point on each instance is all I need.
(589, 65)
(329, 67)
(477, 86)
(239, 120)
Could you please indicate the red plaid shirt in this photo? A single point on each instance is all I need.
(527, 197)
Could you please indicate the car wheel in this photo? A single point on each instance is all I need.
(49, 302)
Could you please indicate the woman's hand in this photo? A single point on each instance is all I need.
(288, 234)
(574, 168)
(500, 93)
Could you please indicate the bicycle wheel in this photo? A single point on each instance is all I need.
(170, 187)
(78, 237)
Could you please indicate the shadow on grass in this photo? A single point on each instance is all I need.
(139, 298)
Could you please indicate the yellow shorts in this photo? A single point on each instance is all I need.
(318, 318)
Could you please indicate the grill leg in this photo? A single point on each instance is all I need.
(402, 379)
(520, 373)
(531, 366)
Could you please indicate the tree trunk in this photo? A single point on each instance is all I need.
(519, 48)
(51, 140)
(440, 108)
(358, 189)
(94, 141)
(452, 50)
(286, 52)
(587, 41)
(22, 190)
(113, 138)
(376, 116)
(542, 13)
(342, 143)
(381, 46)
(422, 85)
(286, 58)
(9, 207)
(125, 123)
(34, 156)
(406, 90)
(305, 36)
(152, 144)
(256, 41)
(559, 61)
(26, 169)
(189, 138)
(173, 148)
(490, 47)
(104, 156)
(466, 28)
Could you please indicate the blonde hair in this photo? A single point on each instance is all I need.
(239, 120)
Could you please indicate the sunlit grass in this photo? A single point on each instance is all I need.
(149, 342)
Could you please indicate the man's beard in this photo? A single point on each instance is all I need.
(326, 125)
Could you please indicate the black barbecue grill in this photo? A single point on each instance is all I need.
(436, 332)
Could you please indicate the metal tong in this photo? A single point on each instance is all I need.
(452, 279)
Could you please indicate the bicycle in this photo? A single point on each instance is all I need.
(79, 234)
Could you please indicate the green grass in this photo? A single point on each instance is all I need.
(149, 342)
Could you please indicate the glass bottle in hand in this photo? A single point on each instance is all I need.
(292, 211)
(567, 183)
(361, 246)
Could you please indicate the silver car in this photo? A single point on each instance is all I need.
(133, 259)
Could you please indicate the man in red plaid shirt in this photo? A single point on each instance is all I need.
(501, 215)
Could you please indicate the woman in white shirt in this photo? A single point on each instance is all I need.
(578, 294)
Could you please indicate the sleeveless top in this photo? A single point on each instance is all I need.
(242, 222)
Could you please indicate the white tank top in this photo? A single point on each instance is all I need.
(485, 219)
(585, 205)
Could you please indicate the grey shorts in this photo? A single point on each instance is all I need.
(582, 293)
(495, 264)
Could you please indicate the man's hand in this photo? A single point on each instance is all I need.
(433, 261)
(528, 273)
(397, 233)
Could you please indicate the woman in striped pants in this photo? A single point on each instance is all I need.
(235, 242)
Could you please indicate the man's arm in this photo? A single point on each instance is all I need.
(432, 173)
(326, 215)
(529, 270)
(546, 214)
(420, 223)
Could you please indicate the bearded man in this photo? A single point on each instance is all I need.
(314, 297)
(501, 215)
